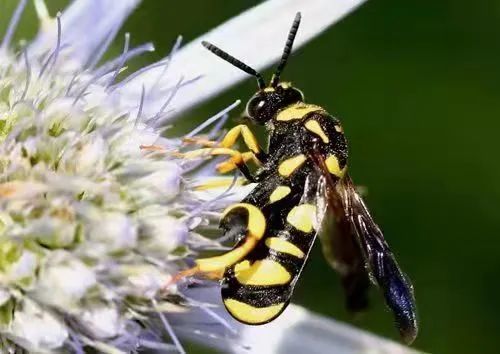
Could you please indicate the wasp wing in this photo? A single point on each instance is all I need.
(355, 222)
(381, 263)
(342, 251)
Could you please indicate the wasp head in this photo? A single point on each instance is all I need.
(265, 103)
(275, 96)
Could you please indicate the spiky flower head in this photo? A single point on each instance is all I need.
(91, 225)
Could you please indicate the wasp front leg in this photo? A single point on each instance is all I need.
(239, 162)
(256, 154)
(230, 139)
(236, 160)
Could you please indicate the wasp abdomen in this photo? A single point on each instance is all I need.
(257, 289)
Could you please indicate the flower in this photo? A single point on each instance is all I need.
(91, 225)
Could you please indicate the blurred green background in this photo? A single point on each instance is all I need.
(417, 86)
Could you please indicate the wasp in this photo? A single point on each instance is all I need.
(301, 182)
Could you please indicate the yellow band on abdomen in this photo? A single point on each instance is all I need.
(250, 314)
(263, 272)
(284, 246)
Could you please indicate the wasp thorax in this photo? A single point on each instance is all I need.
(267, 102)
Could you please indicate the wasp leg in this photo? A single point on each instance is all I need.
(215, 275)
(248, 137)
(219, 183)
(244, 221)
(231, 164)
(237, 159)
(153, 148)
(230, 139)
(200, 141)
(210, 152)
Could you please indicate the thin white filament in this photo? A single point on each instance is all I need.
(14, 21)
(122, 61)
(213, 119)
(141, 104)
(168, 328)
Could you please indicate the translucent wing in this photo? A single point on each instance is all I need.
(354, 219)
(397, 289)
(342, 251)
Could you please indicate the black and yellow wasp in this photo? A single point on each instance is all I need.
(301, 178)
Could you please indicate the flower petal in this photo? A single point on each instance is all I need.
(295, 331)
(264, 26)
(63, 281)
(86, 25)
(36, 329)
(102, 321)
(298, 330)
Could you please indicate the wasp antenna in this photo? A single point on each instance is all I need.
(238, 63)
(287, 50)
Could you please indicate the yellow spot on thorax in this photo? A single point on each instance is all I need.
(332, 163)
(279, 193)
(280, 245)
(264, 272)
(313, 126)
(253, 315)
(339, 128)
(297, 111)
(287, 167)
(302, 217)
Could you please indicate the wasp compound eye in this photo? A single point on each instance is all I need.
(256, 106)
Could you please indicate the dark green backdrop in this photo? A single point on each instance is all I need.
(417, 86)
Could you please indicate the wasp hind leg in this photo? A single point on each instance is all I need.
(242, 221)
